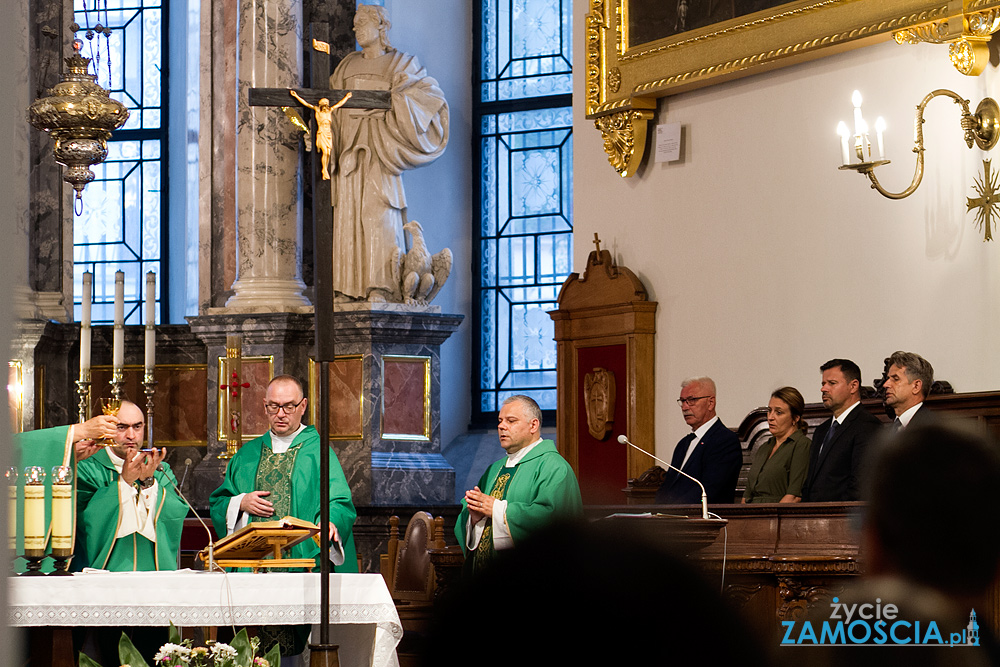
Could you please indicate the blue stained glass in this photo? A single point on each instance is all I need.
(526, 49)
(525, 195)
(120, 227)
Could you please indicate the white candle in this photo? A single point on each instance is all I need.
(85, 324)
(858, 120)
(62, 517)
(34, 512)
(118, 348)
(879, 129)
(150, 321)
(845, 151)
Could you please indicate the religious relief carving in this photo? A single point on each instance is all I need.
(599, 402)
(624, 135)
(372, 148)
(798, 597)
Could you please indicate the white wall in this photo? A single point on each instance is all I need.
(439, 195)
(766, 260)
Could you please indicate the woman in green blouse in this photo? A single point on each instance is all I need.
(779, 466)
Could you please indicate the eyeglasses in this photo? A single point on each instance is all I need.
(691, 400)
(136, 427)
(272, 408)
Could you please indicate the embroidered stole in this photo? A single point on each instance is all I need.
(484, 550)
(274, 474)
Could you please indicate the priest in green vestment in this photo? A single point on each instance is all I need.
(50, 447)
(277, 475)
(129, 516)
(521, 492)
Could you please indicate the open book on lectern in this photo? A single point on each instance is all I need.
(260, 544)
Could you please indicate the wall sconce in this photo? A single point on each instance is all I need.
(981, 129)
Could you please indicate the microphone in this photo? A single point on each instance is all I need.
(704, 496)
(187, 466)
(211, 545)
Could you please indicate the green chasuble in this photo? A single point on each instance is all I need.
(257, 468)
(542, 487)
(98, 515)
(45, 448)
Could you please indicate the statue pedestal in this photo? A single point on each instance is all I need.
(385, 403)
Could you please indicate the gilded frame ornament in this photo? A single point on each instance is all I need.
(425, 363)
(223, 395)
(624, 80)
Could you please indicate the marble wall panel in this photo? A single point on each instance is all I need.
(179, 410)
(406, 397)
(347, 396)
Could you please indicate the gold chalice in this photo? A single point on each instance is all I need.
(110, 407)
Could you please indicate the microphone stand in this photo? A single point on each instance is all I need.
(211, 544)
(704, 496)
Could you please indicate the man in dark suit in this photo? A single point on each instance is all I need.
(711, 453)
(907, 383)
(837, 453)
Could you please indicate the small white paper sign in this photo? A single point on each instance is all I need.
(668, 142)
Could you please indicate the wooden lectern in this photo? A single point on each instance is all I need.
(259, 545)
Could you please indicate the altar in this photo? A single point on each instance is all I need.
(363, 619)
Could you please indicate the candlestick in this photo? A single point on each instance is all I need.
(118, 347)
(150, 322)
(11, 476)
(879, 130)
(845, 153)
(85, 325)
(62, 517)
(34, 512)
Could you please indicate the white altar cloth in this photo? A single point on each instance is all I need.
(188, 598)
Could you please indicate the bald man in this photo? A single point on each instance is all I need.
(129, 517)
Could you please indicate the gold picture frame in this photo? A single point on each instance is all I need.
(624, 80)
(425, 363)
(223, 400)
(314, 391)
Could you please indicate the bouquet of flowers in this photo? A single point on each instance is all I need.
(179, 653)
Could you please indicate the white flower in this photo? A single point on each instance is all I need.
(168, 651)
(222, 651)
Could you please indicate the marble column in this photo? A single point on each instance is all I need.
(268, 183)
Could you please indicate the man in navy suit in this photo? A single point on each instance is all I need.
(839, 445)
(711, 453)
(907, 383)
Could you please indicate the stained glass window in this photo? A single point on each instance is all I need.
(120, 227)
(524, 197)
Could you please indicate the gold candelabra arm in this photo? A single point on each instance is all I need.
(981, 129)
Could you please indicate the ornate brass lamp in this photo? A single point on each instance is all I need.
(79, 115)
(981, 129)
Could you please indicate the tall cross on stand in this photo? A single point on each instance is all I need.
(319, 68)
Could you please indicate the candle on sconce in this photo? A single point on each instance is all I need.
(859, 122)
(150, 322)
(11, 476)
(88, 291)
(845, 151)
(879, 130)
(34, 511)
(62, 510)
(118, 348)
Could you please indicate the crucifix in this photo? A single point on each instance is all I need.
(319, 68)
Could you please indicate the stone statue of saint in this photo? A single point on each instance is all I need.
(372, 149)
